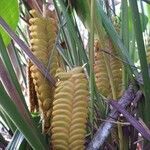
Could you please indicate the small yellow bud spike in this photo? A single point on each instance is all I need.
(70, 109)
(43, 35)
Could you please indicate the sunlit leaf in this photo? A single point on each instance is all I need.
(144, 24)
(9, 11)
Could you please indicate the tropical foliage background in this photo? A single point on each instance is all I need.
(109, 39)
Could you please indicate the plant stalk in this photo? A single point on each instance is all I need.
(91, 66)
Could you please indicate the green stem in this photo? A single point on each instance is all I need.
(125, 39)
(91, 66)
(123, 140)
(120, 135)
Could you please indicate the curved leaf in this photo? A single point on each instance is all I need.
(9, 11)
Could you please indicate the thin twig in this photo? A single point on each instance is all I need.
(116, 122)
(111, 54)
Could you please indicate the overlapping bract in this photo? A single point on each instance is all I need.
(70, 109)
(33, 101)
(42, 38)
(101, 71)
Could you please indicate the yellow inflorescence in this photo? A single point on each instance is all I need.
(70, 109)
(101, 71)
(33, 102)
(116, 67)
(43, 35)
(101, 76)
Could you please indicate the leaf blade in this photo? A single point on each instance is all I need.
(9, 10)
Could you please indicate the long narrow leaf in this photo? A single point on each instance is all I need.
(91, 80)
(16, 141)
(16, 99)
(18, 60)
(70, 29)
(125, 37)
(60, 50)
(6, 60)
(16, 117)
(11, 90)
(7, 120)
(142, 56)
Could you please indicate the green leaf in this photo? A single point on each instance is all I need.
(7, 120)
(26, 126)
(142, 16)
(16, 141)
(117, 40)
(6, 59)
(83, 10)
(28, 131)
(148, 13)
(9, 11)
(71, 34)
(125, 36)
(142, 56)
